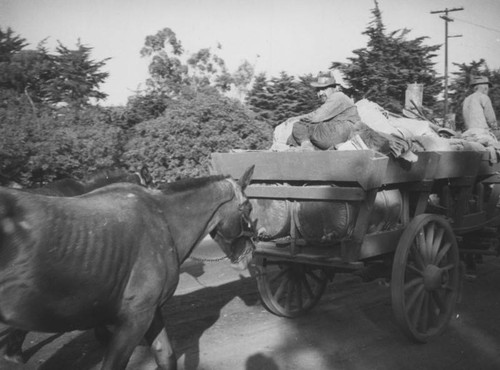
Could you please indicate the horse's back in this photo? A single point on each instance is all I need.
(72, 258)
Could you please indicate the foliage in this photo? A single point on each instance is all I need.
(382, 70)
(460, 87)
(177, 75)
(179, 143)
(282, 97)
(68, 76)
(35, 149)
(147, 106)
(242, 78)
(208, 69)
(166, 70)
(10, 44)
(77, 78)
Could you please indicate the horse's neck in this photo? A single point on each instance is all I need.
(193, 214)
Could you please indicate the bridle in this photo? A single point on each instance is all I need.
(247, 230)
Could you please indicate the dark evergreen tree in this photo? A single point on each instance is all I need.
(78, 77)
(382, 70)
(260, 99)
(282, 97)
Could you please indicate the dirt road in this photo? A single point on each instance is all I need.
(216, 322)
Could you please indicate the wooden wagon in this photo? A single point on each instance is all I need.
(447, 209)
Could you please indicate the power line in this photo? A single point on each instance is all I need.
(478, 25)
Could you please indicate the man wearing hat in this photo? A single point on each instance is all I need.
(477, 110)
(329, 125)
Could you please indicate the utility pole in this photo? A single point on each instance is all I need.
(446, 20)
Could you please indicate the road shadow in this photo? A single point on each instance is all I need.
(188, 316)
(260, 362)
(83, 352)
(28, 352)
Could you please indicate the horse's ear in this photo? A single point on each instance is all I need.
(146, 175)
(245, 179)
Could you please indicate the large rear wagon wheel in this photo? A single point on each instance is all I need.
(425, 277)
(289, 289)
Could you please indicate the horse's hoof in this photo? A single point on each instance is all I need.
(18, 359)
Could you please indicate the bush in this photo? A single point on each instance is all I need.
(179, 144)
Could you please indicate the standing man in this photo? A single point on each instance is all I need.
(329, 125)
(477, 110)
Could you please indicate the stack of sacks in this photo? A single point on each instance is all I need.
(420, 132)
(486, 138)
(379, 134)
(281, 134)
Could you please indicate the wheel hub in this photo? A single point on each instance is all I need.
(433, 277)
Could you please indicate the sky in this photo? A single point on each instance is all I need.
(295, 36)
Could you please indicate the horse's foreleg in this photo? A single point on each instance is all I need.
(157, 338)
(124, 339)
(14, 349)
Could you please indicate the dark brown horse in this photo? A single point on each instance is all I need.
(68, 188)
(112, 257)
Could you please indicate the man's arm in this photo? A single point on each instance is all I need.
(489, 114)
(335, 105)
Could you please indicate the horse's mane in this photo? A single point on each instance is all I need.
(189, 184)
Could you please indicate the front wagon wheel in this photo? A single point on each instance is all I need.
(289, 289)
(425, 277)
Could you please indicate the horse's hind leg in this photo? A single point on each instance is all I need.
(14, 348)
(126, 336)
(157, 338)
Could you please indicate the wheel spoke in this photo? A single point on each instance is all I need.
(279, 275)
(298, 291)
(414, 269)
(289, 296)
(421, 247)
(439, 301)
(444, 250)
(412, 283)
(425, 313)
(307, 287)
(413, 297)
(314, 276)
(437, 242)
(417, 307)
(429, 240)
(281, 290)
(416, 253)
(448, 267)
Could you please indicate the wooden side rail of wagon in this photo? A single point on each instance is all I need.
(422, 247)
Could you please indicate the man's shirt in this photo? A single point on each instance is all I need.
(478, 112)
(338, 106)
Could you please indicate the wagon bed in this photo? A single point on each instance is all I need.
(423, 247)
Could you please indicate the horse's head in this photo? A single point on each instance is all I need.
(235, 231)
